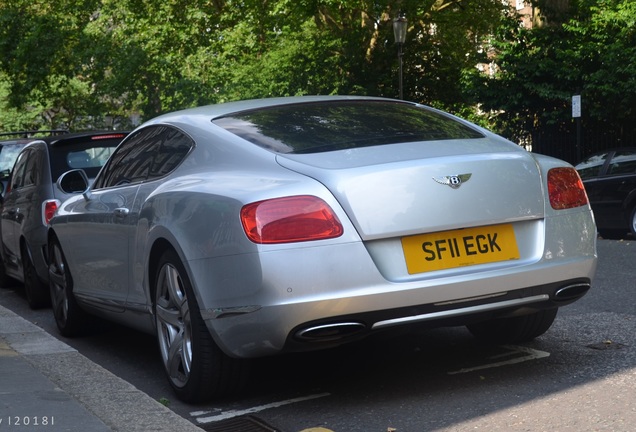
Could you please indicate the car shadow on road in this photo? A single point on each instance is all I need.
(582, 369)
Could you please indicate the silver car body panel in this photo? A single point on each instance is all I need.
(406, 195)
(255, 297)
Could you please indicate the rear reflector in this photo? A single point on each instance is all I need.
(565, 189)
(290, 219)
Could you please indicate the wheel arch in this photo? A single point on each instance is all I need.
(25, 248)
(25, 254)
(630, 201)
(159, 246)
(51, 235)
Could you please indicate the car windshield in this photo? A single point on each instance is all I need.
(327, 126)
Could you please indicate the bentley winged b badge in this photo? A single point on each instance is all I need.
(453, 181)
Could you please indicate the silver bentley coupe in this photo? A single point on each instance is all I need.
(261, 227)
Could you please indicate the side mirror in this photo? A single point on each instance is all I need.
(73, 182)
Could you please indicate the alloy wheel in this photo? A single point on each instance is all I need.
(58, 283)
(174, 325)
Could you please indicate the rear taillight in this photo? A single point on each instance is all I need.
(565, 188)
(49, 208)
(290, 219)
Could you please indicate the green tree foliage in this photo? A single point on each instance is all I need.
(43, 58)
(607, 56)
(12, 118)
(77, 60)
(585, 47)
(93, 63)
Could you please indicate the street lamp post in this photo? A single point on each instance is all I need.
(399, 31)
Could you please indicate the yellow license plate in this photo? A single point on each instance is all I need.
(459, 248)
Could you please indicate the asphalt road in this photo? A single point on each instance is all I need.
(580, 376)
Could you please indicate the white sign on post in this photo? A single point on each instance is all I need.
(576, 106)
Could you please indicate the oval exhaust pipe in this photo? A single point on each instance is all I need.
(571, 292)
(328, 332)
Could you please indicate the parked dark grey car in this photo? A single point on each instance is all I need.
(609, 178)
(31, 199)
(11, 147)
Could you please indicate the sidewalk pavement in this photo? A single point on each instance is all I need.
(47, 385)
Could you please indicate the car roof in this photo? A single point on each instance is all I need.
(223, 109)
(17, 141)
(70, 138)
(26, 136)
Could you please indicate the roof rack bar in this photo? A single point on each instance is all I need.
(30, 133)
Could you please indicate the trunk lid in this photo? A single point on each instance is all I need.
(412, 188)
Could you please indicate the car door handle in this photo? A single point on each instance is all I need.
(121, 212)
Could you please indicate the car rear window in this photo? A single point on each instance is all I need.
(89, 155)
(327, 126)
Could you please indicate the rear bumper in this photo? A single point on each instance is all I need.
(308, 322)
(338, 330)
(321, 295)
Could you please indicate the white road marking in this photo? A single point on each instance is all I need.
(531, 354)
(237, 413)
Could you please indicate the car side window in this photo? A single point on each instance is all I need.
(591, 167)
(147, 154)
(623, 162)
(32, 169)
(131, 161)
(26, 171)
(175, 145)
(18, 171)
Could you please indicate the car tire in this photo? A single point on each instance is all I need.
(195, 366)
(514, 329)
(71, 320)
(37, 293)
